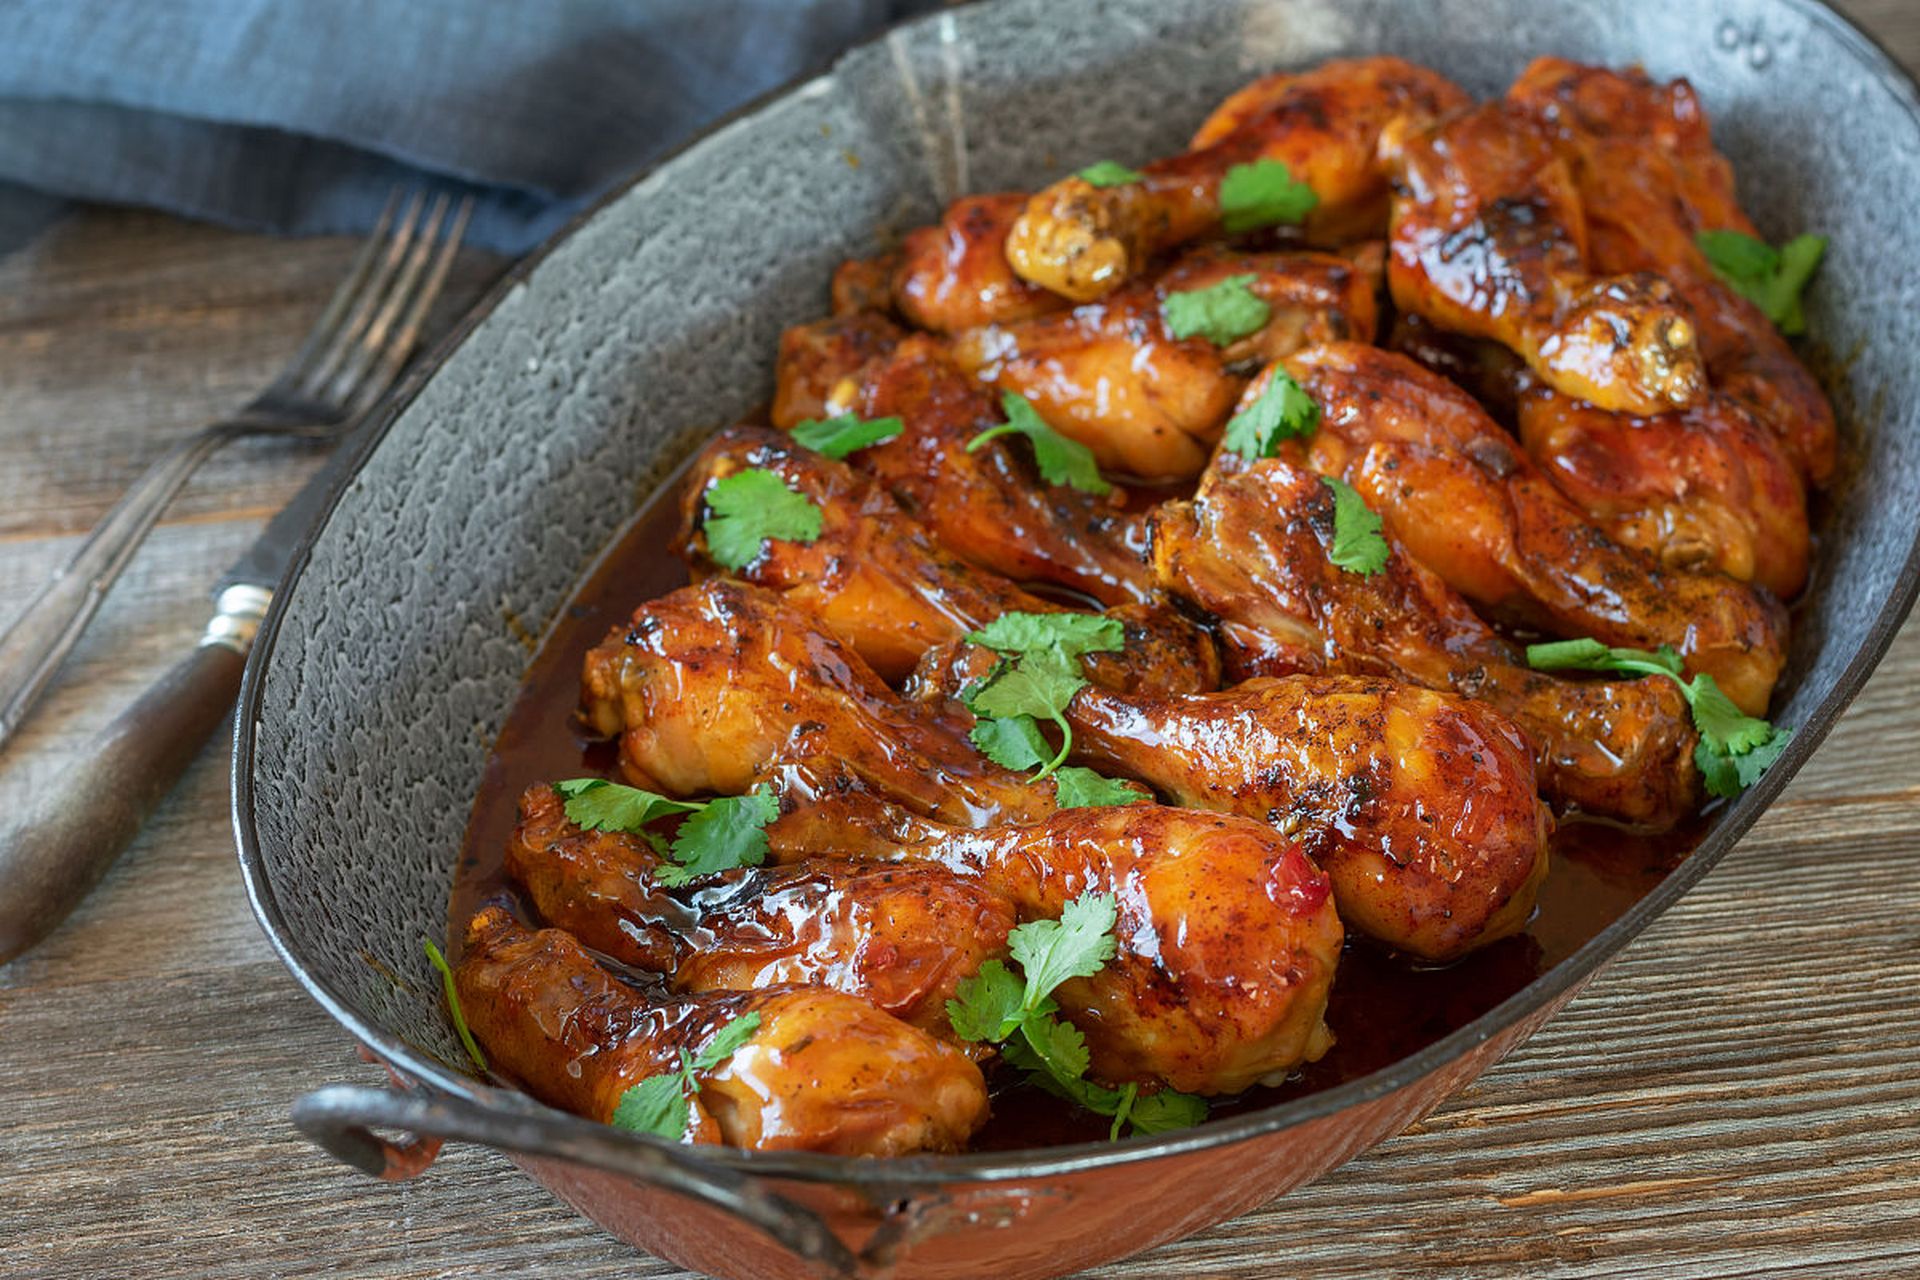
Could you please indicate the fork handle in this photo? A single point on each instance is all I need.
(39, 640)
(90, 812)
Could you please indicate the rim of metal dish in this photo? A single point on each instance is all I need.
(888, 1176)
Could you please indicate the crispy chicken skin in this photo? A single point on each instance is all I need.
(1489, 240)
(990, 506)
(824, 1071)
(1251, 549)
(1706, 488)
(954, 275)
(1083, 241)
(1420, 805)
(1110, 375)
(1227, 939)
(878, 580)
(1649, 179)
(900, 936)
(1461, 497)
(719, 686)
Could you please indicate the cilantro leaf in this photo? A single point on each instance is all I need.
(452, 994)
(1071, 634)
(727, 833)
(988, 1006)
(1720, 722)
(1109, 173)
(1077, 788)
(1588, 654)
(994, 1006)
(657, 1105)
(838, 437)
(1012, 742)
(1041, 684)
(1358, 546)
(1283, 409)
(1772, 279)
(594, 804)
(1074, 946)
(724, 1045)
(1166, 1110)
(750, 507)
(1061, 460)
(1263, 194)
(1221, 313)
(1734, 748)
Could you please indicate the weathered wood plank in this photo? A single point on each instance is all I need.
(1735, 1096)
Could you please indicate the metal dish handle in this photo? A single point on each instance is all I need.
(340, 1119)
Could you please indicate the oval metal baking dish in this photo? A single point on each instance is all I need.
(391, 655)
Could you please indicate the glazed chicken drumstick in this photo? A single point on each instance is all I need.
(901, 937)
(1650, 181)
(1084, 241)
(717, 687)
(878, 581)
(1252, 549)
(1488, 240)
(1420, 805)
(1112, 375)
(823, 1071)
(1464, 501)
(1226, 936)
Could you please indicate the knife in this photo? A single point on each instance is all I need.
(80, 825)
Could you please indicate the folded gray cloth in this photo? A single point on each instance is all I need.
(302, 115)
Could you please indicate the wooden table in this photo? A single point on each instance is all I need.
(1738, 1094)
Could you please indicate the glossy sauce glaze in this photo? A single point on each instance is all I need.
(1382, 1007)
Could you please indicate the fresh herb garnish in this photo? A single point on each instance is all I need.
(1222, 313)
(1077, 788)
(1358, 546)
(751, 507)
(1734, 748)
(1283, 410)
(1263, 194)
(1061, 460)
(995, 1007)
(838, 437)
(1770, 278)
(453, 1005)
(658, 1104)
(1109, 173)
(718, 836)
(1036, 679)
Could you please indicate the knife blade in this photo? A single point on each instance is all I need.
(80, 825)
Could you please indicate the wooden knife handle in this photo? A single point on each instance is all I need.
(79, 825)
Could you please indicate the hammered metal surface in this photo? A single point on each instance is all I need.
(396, 658)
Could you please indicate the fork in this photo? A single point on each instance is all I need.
(349, 359)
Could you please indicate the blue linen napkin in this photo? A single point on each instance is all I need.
(300, 116)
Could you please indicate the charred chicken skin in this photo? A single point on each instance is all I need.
(1227, 938)
(1461, 497)
(900, 936)
(1650, 180)
(823, 1071)
(1083, 241)
(715, 688)
(876, 578)
(1251, 549)
(1149, 404)
(1489, 240)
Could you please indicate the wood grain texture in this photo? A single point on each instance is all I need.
(1737, 1095)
